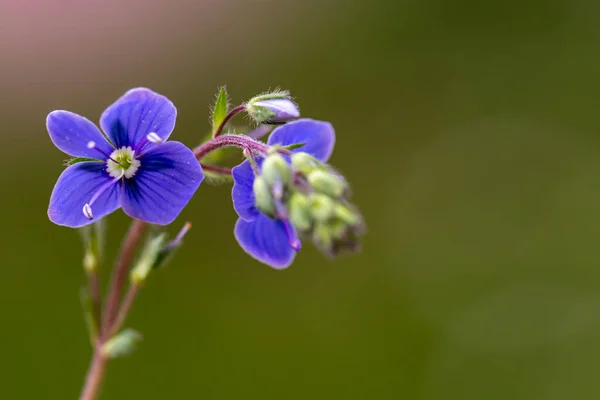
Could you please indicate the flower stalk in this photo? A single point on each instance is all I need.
(229, 115)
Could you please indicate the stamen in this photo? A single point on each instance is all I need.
(152, 137)
(87, 211)
(87, 207)
(92, 146)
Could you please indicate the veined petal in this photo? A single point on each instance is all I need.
(137, 113)
(242, 192)
(75, 187)
(266, 240)
(318, 137)
(71, 133)
(166, 180)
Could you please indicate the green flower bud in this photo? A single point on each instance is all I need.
(147, 260)
(322, 237)
(299, 212)
(346, 215)
(276, 170)
(122, 344)
(305, 163)
(262, 196)
(328, 183)
(340, 232)
(322, 207)
(338, 229)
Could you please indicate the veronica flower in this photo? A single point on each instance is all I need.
(130, 166)
(272, 239)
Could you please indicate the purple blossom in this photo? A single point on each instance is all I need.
(274, 241)
(132, 166)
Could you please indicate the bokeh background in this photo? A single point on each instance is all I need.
(469, 130)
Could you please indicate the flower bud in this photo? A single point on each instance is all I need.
(304, 163)
(322, 238)
(322, 207)
(147, 260)
(93, 241)
(122, 344)
(272, 111)
(346, 215)
(299, 212)
(262, 196)
(275, 170)
(328, 183)
(156, 253)
(338, 226)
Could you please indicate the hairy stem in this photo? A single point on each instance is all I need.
(230, 115)
(241, 141)
(119, 275)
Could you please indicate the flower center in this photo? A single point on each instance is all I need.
(122, 162)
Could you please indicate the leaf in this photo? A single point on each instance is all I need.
(293, 146)
(122, 344)
(220, 109)
(76, 160)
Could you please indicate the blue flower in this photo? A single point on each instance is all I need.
(130, 166)
(274, 241)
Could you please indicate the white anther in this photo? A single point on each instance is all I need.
(154, 138)
(87, 211)
(91, 144)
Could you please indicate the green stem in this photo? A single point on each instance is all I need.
(99, 361)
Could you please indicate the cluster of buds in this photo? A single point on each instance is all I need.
(312, 197)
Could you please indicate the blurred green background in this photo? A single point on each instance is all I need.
(469, 130)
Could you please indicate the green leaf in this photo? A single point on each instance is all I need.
(293, 146)
(220, 109)
(122, 344)
(76, 160)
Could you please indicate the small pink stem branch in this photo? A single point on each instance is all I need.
(230, 115)
(136, 231)
(241, 141)
(94, 376)
(124, 309)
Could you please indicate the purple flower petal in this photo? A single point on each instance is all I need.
(266, 240)
(71, 133)
(168, 177)
(318, 137)
(75, 187)
(242, 192)
(137, 113)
